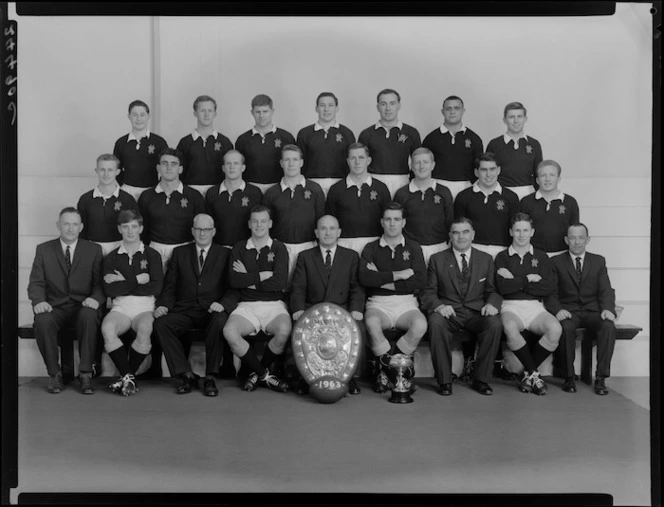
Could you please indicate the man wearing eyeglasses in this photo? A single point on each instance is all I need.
(195, 295)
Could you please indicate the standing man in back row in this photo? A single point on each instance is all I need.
(390, 142)
(455, 148)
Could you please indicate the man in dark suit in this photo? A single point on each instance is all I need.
(460, 294)
(194, 295)
(583, 298)
(65, 286)
(328, 273)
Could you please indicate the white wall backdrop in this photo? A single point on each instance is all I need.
(585, 81)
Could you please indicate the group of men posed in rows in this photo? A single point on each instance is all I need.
(431, 237)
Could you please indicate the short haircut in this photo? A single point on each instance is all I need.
(385, 92)
(545, 163)
(261, 100)
(104, 157)
(173, 153)
(204, 98)
(327, 94)
(485, 157)
(394, 206)
(357, 146)
(260, 208)
(462, 220)
(129, 215)
(137, 103)
(453, 97)
(69, 209)
(522, 217)
(578, 224)
(421, 151)
(230, 152)
(514, 105)
(292, 147)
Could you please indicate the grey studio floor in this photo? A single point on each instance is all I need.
(242, 442)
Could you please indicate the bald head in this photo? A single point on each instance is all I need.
(327, 231)
(203, 230)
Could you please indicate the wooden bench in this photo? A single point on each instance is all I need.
(66, 341)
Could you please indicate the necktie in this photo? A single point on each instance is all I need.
(578, 269)
(328, 260)
(464, 268)
(201, 259)
(68, 258)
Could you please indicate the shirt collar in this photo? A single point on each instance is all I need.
(195, 135)
(302, 182)
(72, 247)
(508, 139)
(444, 129)
(378, 125)
(255, 132)
(413, 188)
(351, 183)
(318, 126)
(250, 244)
(160, 190)
(97, 193)
(332, 249)
(222, 187)
(561, 196)
(132, 137)
(511, 251)
(457, 255)
(383, 243)
(583, 257)
(498, 188)
(123, 250)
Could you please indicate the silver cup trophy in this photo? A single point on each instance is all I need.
(401, 364)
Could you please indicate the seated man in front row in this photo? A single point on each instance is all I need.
(259, 269)
(524, 276)
(195, 295)
(583, 298)
(327, 273)
(460, 293)
(393, 271)
(133, 277)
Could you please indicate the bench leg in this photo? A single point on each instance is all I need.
(587, 359)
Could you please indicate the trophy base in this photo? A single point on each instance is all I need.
(398, 397)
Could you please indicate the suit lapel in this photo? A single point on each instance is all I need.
(453, 269)
(194, 259)
(320, 266)
(474, 268)
(60, 256)
(572, 269)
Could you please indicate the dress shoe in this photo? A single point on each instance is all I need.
(302, 387)
(55, 383)
(353, 388)
(187, 384)
(600, 387)
(445, 389)
(482, 387)
(569, 386)
(86, 383)
(209, 387)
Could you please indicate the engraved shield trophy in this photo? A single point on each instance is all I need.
(326, 348)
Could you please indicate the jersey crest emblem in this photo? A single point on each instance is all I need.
(117, 206)
(500, 205)
(402, 138)
(307, 194)
(151, 149)
(277, 143)
(144, 264)
(529, 149)
(184, 202)
(468, 143)
(339, 138)
(217, 146)
(436, 199)
(373, 195)
(562, 209)
(406, 255)
(245, 202)
(270, 257)
(534, 263)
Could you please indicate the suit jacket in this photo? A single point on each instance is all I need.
(444, 287)
(311, 285)
(593, 294)
(188, 288)
(50, 282)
